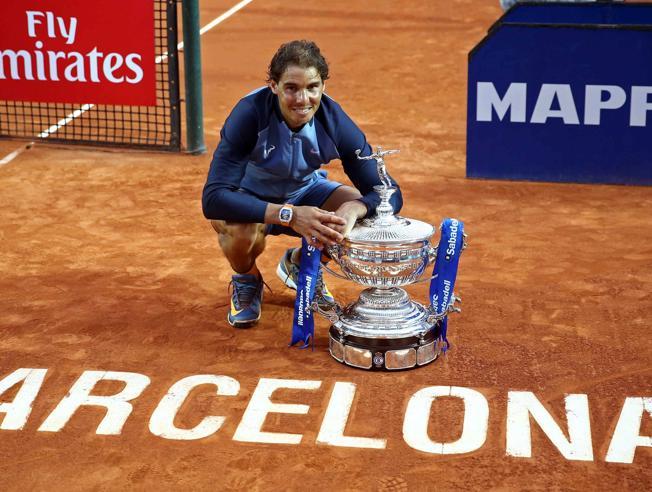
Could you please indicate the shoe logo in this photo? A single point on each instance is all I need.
(314, 151)
(234, 311)
(268, 151)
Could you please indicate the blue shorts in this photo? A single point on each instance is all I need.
(315, 194)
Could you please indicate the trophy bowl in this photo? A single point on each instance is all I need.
(393, 260)
(386, 250)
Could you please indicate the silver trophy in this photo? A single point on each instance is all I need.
(384, 329)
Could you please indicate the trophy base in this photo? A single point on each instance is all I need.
(384, 330)
(385, 354)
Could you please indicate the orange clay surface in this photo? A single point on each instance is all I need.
(108, 264)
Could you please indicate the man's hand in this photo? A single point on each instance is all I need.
(350, 212)
(318, 226)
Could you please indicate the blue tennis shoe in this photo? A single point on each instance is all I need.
(246, 300)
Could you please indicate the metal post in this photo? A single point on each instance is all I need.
(192, 64)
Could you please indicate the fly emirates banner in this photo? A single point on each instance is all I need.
(76, 51)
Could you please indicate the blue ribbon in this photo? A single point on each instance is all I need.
(303, 323)
(445, 270)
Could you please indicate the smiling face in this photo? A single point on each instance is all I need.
(299, 92)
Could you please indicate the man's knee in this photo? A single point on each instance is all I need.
(341, 195)
(238, 232)
(240, 240)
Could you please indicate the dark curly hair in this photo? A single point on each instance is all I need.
(302, 53)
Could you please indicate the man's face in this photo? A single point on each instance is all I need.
(299, 94)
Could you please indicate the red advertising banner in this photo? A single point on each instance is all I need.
(78, 51)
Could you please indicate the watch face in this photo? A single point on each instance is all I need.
(285, 215)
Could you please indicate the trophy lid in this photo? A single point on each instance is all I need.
(399, 231)
(384, 227)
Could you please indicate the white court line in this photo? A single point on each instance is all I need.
(65, 121)
(210, 25)
(12, 155)
(223, 17)
(86, 107)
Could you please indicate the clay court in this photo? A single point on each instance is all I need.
(109, 265)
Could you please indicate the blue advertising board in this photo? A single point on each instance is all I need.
(579, 13)
(563, 101)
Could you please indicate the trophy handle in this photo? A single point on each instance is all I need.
(338, 275)
(332, 314)
(432, 256)
(433, 317)
(424, 279)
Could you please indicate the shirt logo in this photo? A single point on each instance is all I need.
(268, 151)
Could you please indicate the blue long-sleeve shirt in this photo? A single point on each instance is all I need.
(260, 160)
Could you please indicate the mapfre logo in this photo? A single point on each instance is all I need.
(558, 101)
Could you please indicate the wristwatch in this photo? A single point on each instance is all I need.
(285, 214)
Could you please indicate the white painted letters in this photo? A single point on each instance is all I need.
(523, 404)
(53, 23)
(513, 100)
(162, 422)
(69, 31)
(17, 412)
(32, 21)
(626, 437)
(543, 107)
(134, 67)
(593, 102)
(112, 62)
(13, 56)
(573, 442)
(474, 430)
(641, 104)
(71, 66)
(337, 415)
(118, 406)
(260, 405)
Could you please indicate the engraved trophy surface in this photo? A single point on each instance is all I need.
(384, 329)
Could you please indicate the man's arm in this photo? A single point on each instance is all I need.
(351, 211)
(221, 199)
(317, 226)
